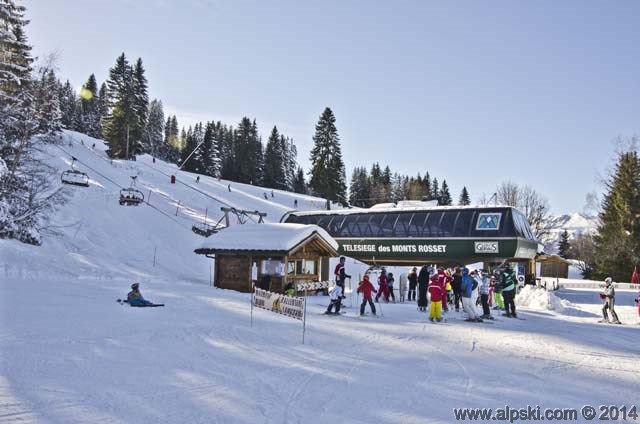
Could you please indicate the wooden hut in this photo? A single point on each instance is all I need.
(269, 255)
(553, 266)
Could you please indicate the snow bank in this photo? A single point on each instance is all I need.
(541, 300)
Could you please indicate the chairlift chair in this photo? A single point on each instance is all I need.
(204, 230)
(131, 196)
(74, 177)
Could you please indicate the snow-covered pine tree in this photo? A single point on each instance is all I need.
(26, 184)
(47, 103)
(67, 98)
(464, 199)
(327, 168)
(211, 151)
(155, 127)
(290, 161)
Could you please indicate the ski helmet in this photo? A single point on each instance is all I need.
(608, 280)
(135, 286)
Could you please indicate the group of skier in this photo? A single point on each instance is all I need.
(440, 288)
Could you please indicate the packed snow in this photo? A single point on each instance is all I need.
(70, 354)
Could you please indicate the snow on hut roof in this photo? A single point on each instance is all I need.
(264, 237)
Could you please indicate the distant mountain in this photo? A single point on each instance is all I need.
(575, 224)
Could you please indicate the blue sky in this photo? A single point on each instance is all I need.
(475, 92)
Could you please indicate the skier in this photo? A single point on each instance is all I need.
(413, 282)
(403, 287)
(134, 297)
(336, 300)
(265, 195)
(509, 291)
(229, 188)
(609, 297)
(467, 289)
(423, 285)
(272, 195)
(456, 285)
(497, 291)
(449, 289)
(383, 287)
(474, 293)
(366, 288)
(341, 275)
(197, 179)
(484, 287)
(295, 203)
(390, 281)
(438, 294)
(289, 290)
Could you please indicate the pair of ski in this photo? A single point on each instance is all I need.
(510, 316)
(151, 305)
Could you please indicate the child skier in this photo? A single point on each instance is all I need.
(438, 295)
(390, 281)
(383, 288)
(134, 298)
(336, 300)
(366, 288)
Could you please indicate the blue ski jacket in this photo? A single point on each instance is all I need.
(467, 283)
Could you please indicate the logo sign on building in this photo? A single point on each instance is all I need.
(489, 221)
(289, 306)
(486, 247)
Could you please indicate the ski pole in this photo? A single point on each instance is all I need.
(350, 294)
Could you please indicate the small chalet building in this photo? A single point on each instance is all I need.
(553, 266)
(271, 255)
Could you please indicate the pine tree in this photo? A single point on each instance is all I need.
(464, 200)
(564, 245)
(445, 196)
(359, 189)
(327, 168)
(155, 126)
(141, 107)
(120, 126)
(435, 190)
(274, 158)
(617, 243)
(90, 104)
(47, 103)
(67, 99)
(102, 108)
(428, 193)
(210, 151)
(26, 190)
(299, 184)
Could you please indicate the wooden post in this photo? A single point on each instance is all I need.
(304, 319)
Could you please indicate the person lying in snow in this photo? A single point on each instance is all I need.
(134, 297)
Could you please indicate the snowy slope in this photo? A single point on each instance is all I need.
(70, 354)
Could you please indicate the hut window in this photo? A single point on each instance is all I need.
(302, 267)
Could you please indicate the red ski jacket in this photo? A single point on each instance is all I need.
(366, 288)
(437, 286)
